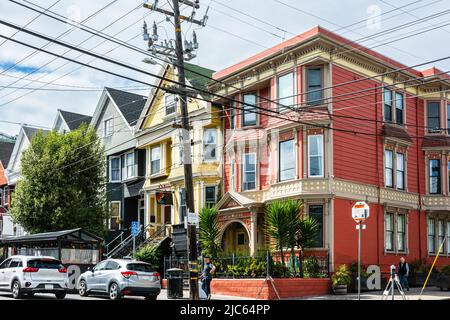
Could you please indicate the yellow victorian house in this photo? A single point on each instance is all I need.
(157, 134)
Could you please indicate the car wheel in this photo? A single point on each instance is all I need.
(16, 290)
(82, 289)
(60, 295)
(114, 292)
(152, 296)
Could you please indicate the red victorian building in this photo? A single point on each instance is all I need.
(323, 119)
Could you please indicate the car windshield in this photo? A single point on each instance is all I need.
(140, 267)
(45, 264)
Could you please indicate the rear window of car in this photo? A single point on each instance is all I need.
(45, 264)
(140, 267)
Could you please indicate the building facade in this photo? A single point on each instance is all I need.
(6, 148)
(330, 122)
(114, 119)
(160, 140)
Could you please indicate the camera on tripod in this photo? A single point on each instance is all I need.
(393, 268)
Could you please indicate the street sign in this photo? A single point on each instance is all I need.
(193, 218)
(134, 228)
(360, 211)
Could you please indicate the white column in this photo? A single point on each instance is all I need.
(253, 233)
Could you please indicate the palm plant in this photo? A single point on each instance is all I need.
(277, 226)
(293, 210)
(209, 236)
(306, 236)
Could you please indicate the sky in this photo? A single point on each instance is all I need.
(235, 30)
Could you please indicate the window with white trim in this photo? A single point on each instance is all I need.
(314, 85)
(249, 115)
(5, 196)
(394, 106)
(399, 106)
(210, 143)
(389, 168)
(435, 176)
(395, 232)
(316, 212)
(249, 171)
(286, 158)
(315, 156)
(400, 170)
(155, 160)
(108, 127)
(130, 167)
(114, 169)
(431, 234)
(170, 103)
(440, 234)
(286, 91)
(232, 175)
(210, 196)
(433, 116)
(388, 104)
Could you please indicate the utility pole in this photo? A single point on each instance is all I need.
(177, 54)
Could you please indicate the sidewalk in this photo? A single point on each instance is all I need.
(163, 296)
(431, 293)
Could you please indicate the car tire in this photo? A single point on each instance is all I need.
(152, 296)
(82, 289)
(114, 291)
(16, 290)
(60, 295)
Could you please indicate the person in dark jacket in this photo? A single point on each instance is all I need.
(403, 273)
(206, 277)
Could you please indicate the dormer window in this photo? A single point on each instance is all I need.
(170, 102)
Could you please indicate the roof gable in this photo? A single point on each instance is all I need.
(73, 120)
(129, 104)
(6, 149)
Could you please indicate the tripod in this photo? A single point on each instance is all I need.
(390, 288)
(268, 278)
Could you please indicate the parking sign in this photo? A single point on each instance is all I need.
(134, 228)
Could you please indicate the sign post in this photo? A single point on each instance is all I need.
(134, 233)
(360, 212)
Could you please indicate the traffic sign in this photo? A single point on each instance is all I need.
(134, 228)
(360, 211)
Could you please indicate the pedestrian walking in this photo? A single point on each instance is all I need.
(206, 276)
(403, 273)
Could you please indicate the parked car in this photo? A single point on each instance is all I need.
(27, 275)
(121, 277)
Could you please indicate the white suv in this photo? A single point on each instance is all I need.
(27, 275)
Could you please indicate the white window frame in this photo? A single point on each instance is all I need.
(395, 232)
(321, 155)
(397, 171)
(245, 111)
(170, 107)
(206, 145)
(232, 175)
(126, 166)
(110, 168)
(281, 155)
(5, 196)
(160, 159)
(439, 191)
(215, 194)
(291, 96)
(244, 171)
(430, 130)
(429, 219)
(394, 95)
(322, 85)
(108, 130)
(392, 158)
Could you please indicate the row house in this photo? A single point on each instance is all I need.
(115, 118)
(6, 148)
(159, 137)
(330, 122)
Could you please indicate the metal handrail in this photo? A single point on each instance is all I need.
(123, 243)
(161, 230)
(109, 243)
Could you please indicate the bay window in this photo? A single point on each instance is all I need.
(155, 160)
(395, 232)
(210, 196)
(315, 156)
(286, 156)
(400, 169)
(387, 105)
(316, 212)
(286, 91)
(249, 115)
(431, 232)
(170, 103)
(129, 168)
(114, 171)
(389, 168)
(433, 117)
(249, 171)
(209, 143)
(435, 176)
(399, 105)
(314, 85)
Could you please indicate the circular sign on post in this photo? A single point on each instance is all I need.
(360, 211)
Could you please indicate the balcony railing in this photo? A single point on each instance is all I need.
(436, 202)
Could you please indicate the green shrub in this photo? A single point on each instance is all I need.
(149, 254)
(341, 276)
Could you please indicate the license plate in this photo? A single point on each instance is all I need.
(146, 277)
(48, 287)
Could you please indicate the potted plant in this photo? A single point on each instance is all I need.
(443, 279)
(340, 280)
